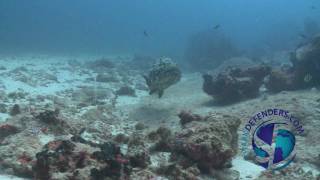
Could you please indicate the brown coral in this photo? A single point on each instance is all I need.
(7, 130)
(187, 116)
(235, 84)
(210, 143)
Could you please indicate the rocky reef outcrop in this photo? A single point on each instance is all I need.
(206, 144)
(235, 84)
(304, 72)
(209, 143)
(63, 159)
(138, 153)
(7, 130)
(162, 75)
(187, 116)
(239, 83)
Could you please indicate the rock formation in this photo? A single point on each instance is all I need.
(235, 84)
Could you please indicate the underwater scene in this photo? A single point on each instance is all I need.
(159, 90)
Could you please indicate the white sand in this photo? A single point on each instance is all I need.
(247, 169)
(3, 117)
(7, 177)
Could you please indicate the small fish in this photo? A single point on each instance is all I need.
(313, 7)
(216, 26)
(307, 78)
(145, 33)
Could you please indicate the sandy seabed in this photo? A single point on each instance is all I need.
(43, 81)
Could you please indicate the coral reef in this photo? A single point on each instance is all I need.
(63, 159)
(235, 84)
(7, 130)
(116, 164)
(18, 154)
(51, 121)
(162, 75)
(49, 116)
(206, 144)
(79, 128)
(121, 138)
(210, 143)
(304, 72)
(162, 139)
(280, 80)
(187, 116)
(306, 63)
(138, 152)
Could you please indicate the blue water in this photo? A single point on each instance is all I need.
(116, 26)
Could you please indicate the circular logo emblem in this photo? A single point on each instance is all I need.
(274, 145)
